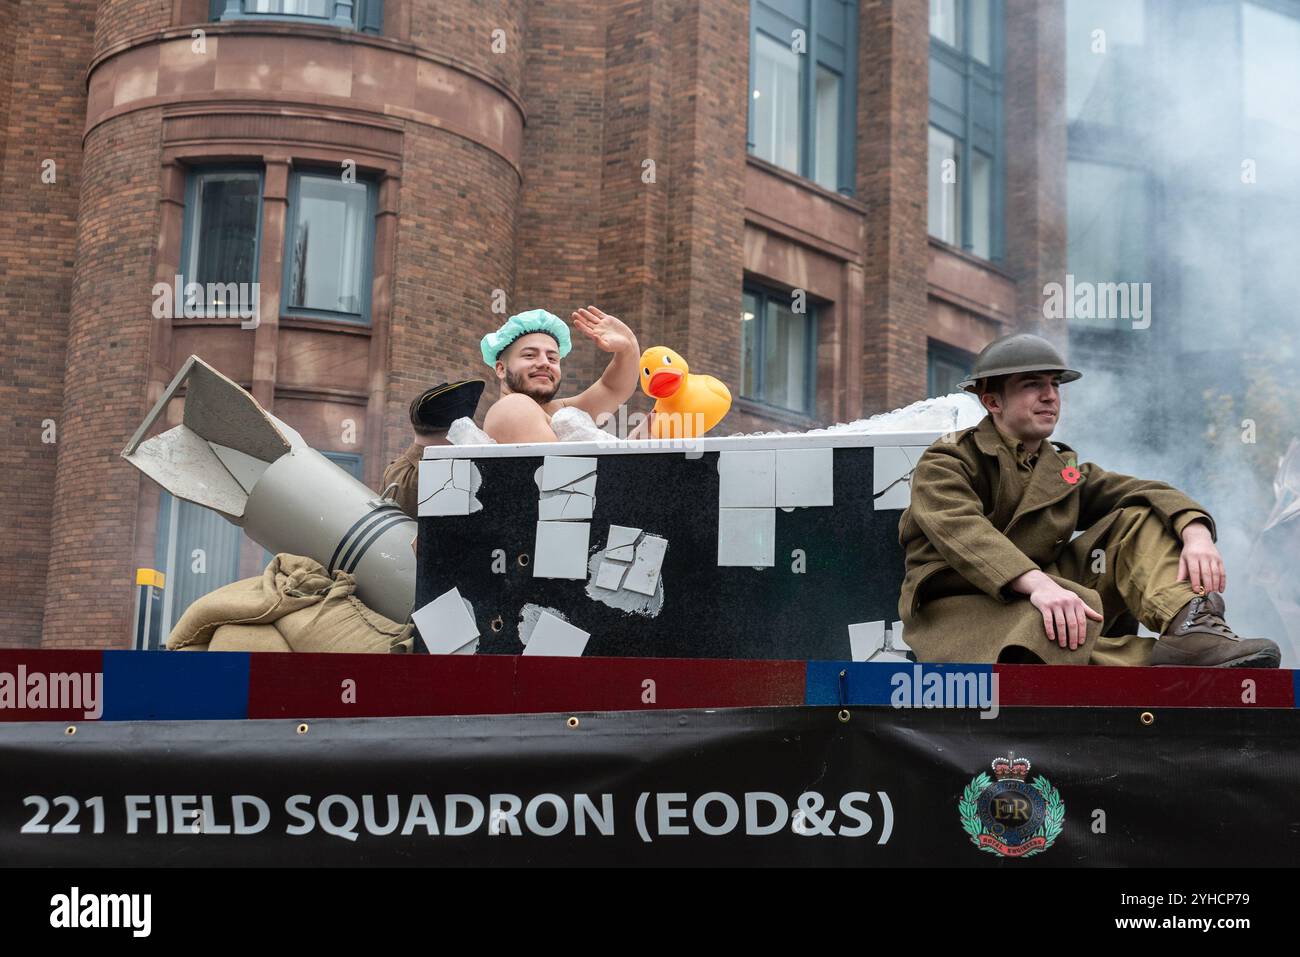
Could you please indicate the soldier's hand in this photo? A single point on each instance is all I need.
(1065, 614)
(1200, 562)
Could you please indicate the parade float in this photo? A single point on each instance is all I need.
(668, 651)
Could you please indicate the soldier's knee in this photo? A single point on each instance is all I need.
(1092, 598)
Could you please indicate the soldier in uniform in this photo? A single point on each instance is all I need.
(992, 573)
(432, 413)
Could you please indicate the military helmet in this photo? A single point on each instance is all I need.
(1019, 352)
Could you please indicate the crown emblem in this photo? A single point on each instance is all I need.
(1010, 816)
(1010, 768)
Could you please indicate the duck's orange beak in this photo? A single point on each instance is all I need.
(664, 383)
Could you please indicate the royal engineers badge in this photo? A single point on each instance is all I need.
(1007, 816)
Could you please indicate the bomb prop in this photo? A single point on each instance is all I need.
(232, 456)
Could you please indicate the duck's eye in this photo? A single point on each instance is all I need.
(646, 371)
(668, 360)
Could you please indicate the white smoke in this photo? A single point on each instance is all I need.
(1185, 159)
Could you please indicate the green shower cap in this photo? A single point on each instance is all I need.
(534, 320)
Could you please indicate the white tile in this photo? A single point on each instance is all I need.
(892, 462)
(561, 550)
(644, 574)
(621, 543)
(475, 483)
(896, 637)
(433, 475)
(610, 575)
(866, 637)
(560, 506)
(446, 624)
(898, 497)
(465, 475)
(805, 477)
(561, 470)
(747, 479)
(555, 637)
(449, 501)
(585, 486)
(619, 537)
(747, 536)
(445, 487)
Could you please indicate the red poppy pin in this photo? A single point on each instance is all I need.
(1071, 474)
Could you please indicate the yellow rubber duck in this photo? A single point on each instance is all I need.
(686, 405)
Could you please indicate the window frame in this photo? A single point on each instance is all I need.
(367, 15)
(166, 558)
(193, 175)
(351, 462)
(765, 19)
(364, 317)
(766, 294)
(932, 129)
(979, 82)
(942, 351)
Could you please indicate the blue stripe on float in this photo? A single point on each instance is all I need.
(144, 685)
(895, 683)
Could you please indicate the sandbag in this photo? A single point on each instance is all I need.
(292, 606)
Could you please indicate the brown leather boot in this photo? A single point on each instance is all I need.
(1199, 637)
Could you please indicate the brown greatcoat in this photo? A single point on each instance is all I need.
(404, 472)
(974, 525)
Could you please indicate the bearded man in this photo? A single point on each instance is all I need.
(526, 352)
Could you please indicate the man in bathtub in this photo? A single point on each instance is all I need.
(526, 354)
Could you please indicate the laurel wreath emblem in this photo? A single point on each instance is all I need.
(1049, 830)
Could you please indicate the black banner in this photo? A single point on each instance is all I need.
(791, 786)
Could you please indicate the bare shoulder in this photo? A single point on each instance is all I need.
(517, 418)
(513, 407)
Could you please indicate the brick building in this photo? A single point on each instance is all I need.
(773, 187)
